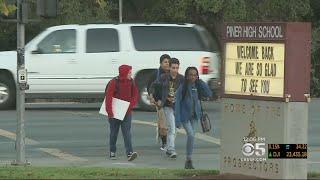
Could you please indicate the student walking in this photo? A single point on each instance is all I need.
(170, 83)
(154, 91)
(124, 88)
(188, 109)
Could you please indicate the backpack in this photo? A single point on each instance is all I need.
(117, 86)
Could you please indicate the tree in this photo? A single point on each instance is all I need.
(213, 13)
(5, 8)
(7, 32)
(70, 12)
(209, 13)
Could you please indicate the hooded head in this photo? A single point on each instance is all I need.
(124, 71)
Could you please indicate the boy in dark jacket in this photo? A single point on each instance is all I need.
(155, 93)
(163, 69)
(169, 84)
(124, 88)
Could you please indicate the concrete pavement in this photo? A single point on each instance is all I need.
(76, 135)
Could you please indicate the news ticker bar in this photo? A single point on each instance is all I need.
(287, 151)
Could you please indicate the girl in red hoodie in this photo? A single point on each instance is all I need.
(124, 88)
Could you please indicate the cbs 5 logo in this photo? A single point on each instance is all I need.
(258, 149)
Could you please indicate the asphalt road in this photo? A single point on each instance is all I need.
(76, 135)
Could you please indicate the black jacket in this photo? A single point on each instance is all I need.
(164, 84)
(154, 83)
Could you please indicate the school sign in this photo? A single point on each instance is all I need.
(266, 85)
(255, 69)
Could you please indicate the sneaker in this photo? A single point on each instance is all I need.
(163, 147)
(113, 156)
(132, 155)
(172, 155)
(188, 165)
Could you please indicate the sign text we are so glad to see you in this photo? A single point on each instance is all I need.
(255, 69)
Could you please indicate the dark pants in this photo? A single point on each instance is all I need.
(126, 133)
(163, 139)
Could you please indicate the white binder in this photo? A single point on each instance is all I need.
(119, 108)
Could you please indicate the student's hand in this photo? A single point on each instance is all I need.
(110, 116)
(170, 99)
(158, 103)
(152, 101)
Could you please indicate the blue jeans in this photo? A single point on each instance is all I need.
(189, 127)
(171, 124)
(126, 133)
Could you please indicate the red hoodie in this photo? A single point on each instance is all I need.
(124, 90)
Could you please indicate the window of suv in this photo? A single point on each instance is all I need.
(167, 38)
(102, 40)
(60, 41)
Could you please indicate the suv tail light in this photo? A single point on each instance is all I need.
(205, 65)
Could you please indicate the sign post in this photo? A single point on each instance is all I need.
(22, 83)
(266, 85)
(46, 9)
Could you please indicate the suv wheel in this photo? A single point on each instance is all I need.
(7, 92)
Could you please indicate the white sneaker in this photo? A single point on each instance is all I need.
(132, 155)
(113, 156)
(172, 155)
(163, 147)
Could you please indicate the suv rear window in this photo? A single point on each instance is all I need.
(166, 38)
(102, 40)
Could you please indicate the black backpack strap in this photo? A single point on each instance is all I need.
(116, 79)
(117, 85)
(106, 88)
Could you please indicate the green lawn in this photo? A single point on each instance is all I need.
(107, 173)
(314, 175)
(98, 173)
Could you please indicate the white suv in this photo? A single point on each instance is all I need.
(77, 61)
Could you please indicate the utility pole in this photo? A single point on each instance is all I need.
(45, 9)
(21, 83)
(120, 11)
